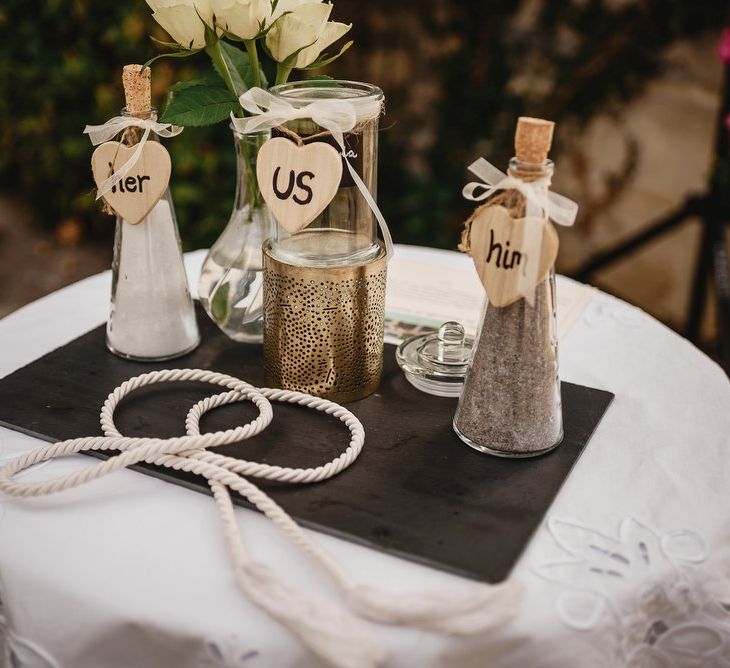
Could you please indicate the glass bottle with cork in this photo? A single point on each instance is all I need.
(510, 405)
(152, 315)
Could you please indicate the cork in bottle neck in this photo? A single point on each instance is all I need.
(137, 83)
(533, 139)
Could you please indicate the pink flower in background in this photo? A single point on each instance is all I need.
(723, 50)
(723, 47)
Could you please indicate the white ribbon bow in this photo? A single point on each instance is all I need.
(540, 203)
(335, 115)
(558, 208)
(106, 132)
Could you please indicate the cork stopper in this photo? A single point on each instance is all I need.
(533, 138)
(137, 87)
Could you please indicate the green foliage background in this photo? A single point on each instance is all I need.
(60, 63)
(60, 68)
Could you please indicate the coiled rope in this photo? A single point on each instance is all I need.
(333, 633)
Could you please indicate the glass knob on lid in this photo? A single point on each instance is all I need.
(436, 362)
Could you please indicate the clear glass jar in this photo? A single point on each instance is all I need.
(510, 405)
(345, 233)
(231, 279)
(152, 316)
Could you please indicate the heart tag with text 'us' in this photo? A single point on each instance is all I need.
(297, 182)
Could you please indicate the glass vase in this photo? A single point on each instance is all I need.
(345, 232)
(231, 279)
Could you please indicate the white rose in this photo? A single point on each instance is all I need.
(184, 20)
(305, 25)
(242, 18)
(288, 5)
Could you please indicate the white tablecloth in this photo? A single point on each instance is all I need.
(630, 566)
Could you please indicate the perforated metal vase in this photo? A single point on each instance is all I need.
(323, 327)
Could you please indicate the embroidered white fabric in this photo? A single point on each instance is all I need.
(645, 585)
(96, 580)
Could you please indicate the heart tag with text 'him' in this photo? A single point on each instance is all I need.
(498, 244)
(133, 197)
(297, 182)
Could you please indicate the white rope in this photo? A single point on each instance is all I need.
(336, 635)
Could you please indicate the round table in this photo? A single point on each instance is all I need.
(630, 564)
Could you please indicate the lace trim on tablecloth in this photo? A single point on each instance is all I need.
(229, 653)
(647, 585)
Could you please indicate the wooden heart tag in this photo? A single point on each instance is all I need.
(135, 195)
(297, 182)
(497, 244)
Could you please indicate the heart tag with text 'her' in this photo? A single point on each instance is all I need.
(297, 182)
(135, 194)
(498, 244)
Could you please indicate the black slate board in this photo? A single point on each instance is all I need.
(416, 490)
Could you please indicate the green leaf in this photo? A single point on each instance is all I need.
(219, 304)
(292, 57)
(238, 65)
(170, 45)
(318, 77)
(265, 29)
(321, 62)
(200, 105)
(211, 36)
(231, 36)
(182, 85)
(173, 54)
(208, 79)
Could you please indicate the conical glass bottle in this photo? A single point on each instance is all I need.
(510, 404)
(230, 287)
(152, 316)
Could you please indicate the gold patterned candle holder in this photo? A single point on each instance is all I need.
(323, 327)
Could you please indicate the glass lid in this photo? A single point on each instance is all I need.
(436, 362)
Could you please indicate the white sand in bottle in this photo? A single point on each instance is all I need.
(152, 314)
